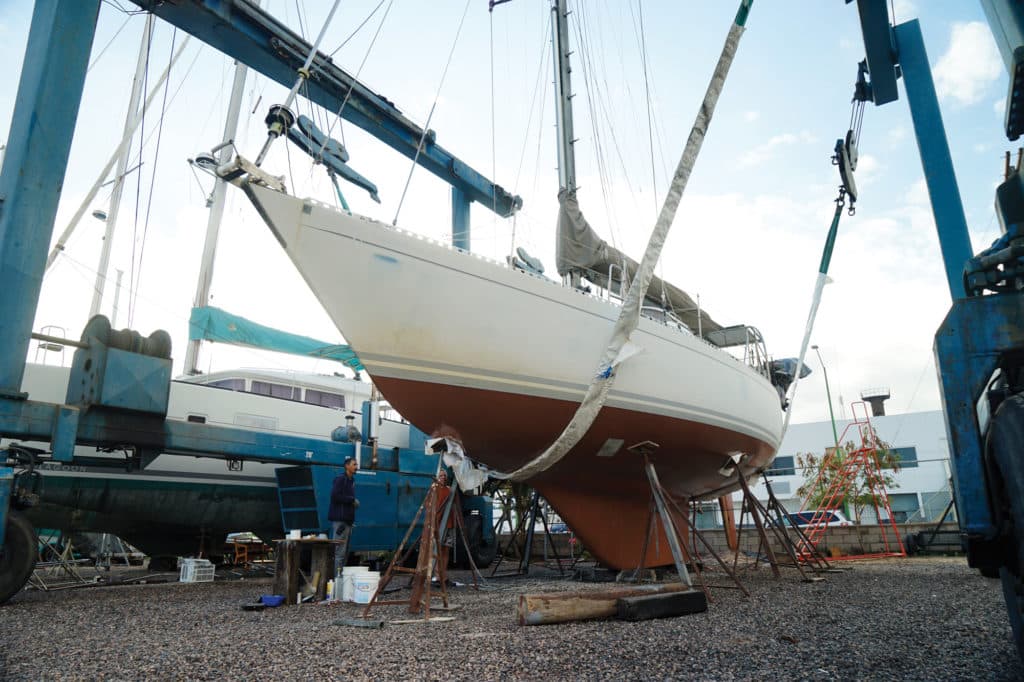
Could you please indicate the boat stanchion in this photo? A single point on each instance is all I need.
(665, 505)
(668, 524)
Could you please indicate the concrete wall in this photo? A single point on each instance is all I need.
(864, 539)
(845, 540)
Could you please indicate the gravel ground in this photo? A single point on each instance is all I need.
(921, 619)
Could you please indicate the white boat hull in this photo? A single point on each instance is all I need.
(502, 358)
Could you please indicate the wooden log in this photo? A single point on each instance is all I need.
(280, 571)
(561, 607)
(289, 551)
(665, 605)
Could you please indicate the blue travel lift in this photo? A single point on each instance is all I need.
(979, 348)
(120, 383)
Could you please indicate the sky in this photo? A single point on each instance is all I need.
(750, 229)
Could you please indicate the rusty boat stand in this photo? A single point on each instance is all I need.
(431, 562)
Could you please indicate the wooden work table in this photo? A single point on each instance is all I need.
(288, 579)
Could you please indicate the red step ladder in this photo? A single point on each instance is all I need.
(846, 468)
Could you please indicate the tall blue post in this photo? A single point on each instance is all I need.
(38, 145)
(933, 147)
(460, 219)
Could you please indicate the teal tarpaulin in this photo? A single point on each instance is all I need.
(214, 324)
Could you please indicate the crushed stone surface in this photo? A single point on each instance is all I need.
(896, 619)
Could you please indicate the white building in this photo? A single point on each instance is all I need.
(919, 438)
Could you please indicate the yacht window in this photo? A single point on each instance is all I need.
(230, 384)
(325, 399)
(275, 390)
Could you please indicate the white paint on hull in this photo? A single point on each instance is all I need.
(417, 309)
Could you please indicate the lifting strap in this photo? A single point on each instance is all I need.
(620, 348)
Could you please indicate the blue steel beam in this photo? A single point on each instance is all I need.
(38, 145)
(32, 420)
(943, 192)
(460, 219)
(255, 38)
(874, 24)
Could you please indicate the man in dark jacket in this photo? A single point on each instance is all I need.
(342, 512)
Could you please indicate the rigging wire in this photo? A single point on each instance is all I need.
(337, 115)
(651, 93)
(302, 25)
(138, 183)
(494, 133)
(109, 43)
(359, 27)
(529, 124)
(593, 92)
(152, 184)
(130, 12)
(426, 126)
(647, 92)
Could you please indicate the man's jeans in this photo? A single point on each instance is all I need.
(340, 530)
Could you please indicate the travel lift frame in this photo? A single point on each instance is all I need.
(979, 348)
(126, 406)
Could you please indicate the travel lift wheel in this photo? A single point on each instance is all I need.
(1006, 446)
(18, 555)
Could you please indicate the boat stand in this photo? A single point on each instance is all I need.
(57, 567)
(525, 527)
(431, 562)
(661, 507)
(800, 554)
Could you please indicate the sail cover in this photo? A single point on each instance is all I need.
(579, 248)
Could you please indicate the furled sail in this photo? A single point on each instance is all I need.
(579, 248)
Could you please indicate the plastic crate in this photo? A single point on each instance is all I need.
(196, 571)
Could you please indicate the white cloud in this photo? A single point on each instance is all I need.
(896, 135)
(903, 10)
(766, 151)
(917, 195)
(751, 116)
(970, 65)
(868, 168)
(999, 106)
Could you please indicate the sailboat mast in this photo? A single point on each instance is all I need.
(202, 296)
(122, 164)
(563, 95)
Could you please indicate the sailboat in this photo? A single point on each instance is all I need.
(500, 357)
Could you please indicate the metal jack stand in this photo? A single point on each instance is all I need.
(774, 518)
(661, 502)
(526, 524)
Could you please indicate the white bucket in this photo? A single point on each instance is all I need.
(366, 586)
(348, 577)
